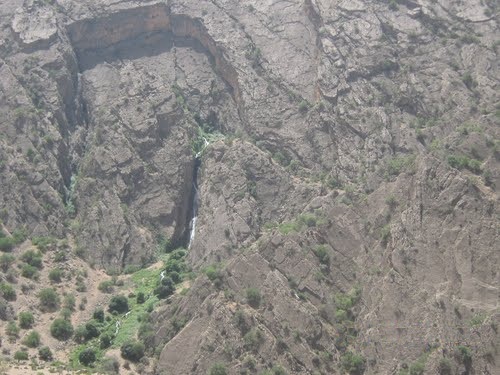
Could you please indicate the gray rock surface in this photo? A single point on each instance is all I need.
(365, 130)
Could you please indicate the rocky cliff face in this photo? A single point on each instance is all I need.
(350, 177)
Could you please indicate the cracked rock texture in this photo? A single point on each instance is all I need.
(357, 153)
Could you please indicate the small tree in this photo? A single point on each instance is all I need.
(119, 304)
(132, 350)
(61, 329)
(87, 356)
(49, 300)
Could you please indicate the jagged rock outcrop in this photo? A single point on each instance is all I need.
(353, 155)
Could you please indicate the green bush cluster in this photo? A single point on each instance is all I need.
(307, 220)
(86, 332)
(400, 164)
(345, 317)
(215, 275)
(33, 258)
(175, 267)
(464, 162)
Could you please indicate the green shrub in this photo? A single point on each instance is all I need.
(469, 81)
(12, 330)
(253, 339)
(87, 356)
(141, 298)
(353, 363)
(49, 300)
(106, 286)
(105, 340)
(253, 297)
(6, 261)
(110, 365)
(43, 243)
(464, 354)
(19, 235)
(278, 370)
(400, 164)
(32, 340)
(303, 106)
(218, 369)
(119, 304)
(69, 302)
(21, 355)
(33, 258)
(461, 162)
(26, 319)
(416, 368)
(55, 275)
(29, 271)
(444, 366)
(6, 243)
(5, 310)
(7, 291)
(86, 332)
(132, 350)
(60, 256)
(322, 253)
(61, 329)
(165, 288)
(99, 315)
(45, 354)
(80, 334)
(215, 275)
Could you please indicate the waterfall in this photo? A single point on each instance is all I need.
(196, 197)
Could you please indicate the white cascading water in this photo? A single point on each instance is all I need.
(196, 198)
